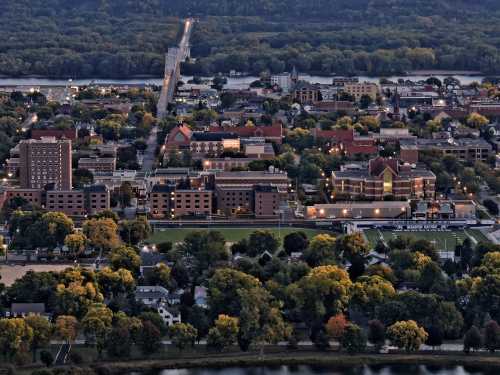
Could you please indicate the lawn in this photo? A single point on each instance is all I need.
(231, 234)
(445, 241)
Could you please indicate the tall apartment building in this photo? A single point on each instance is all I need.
(45, 161)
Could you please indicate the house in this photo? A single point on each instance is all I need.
(151, 295)
(170, 315)
(178, 138)
(149, 261)
(25, 309)
(200, 296)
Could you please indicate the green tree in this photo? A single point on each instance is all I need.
(134, 231)
(149, 339)
(376, 333)
(321, 251)
(261, 241)
(491, 336)
(351, 246)
(182, 335)
(472, 339)
(354, 339)
(76, 243)
(295, 242)
(119, 342)
(125, 257)
(96, 324)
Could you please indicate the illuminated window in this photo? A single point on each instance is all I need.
(387, 182)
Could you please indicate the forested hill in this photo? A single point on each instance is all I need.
(120, 38)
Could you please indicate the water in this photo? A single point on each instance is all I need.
(232, 82)
(320, 370)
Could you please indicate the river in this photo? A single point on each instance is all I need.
(320, 370)
(232, 82)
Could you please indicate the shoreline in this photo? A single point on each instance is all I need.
(300, 359)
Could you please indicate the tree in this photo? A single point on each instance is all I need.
(477, 121)
(119, 342)
(161, 275)
(407, 335)
(336, 326)
(149, 339)
(46, 358)
(102, 233)
(164, 247)
(224, 333)
(491, 336)
(182, 335)
(207, 248)
(15, 337)
(295, 242)
(321, 251)
(96, 325)
(113, 283)
(354, 339)
(125, 257)
(352, 246)
(324, 291)
(376, 333)
(472, 339)
(261, 241)
(66, 327)
(135, 231)
(435, 337)
(368, 292)
(42, 332)
(76, 243)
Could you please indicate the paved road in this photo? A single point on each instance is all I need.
(62, 354)
(149, 158)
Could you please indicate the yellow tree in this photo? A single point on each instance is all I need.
(76, 243)
(15, 336)
(96, 324)
(224, 333)
(475, 120)
(42, 332)
(102, 233)
(67, 327)
(407, 335)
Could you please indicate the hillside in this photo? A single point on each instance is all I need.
(121, 38)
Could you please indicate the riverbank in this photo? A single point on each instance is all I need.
(300, 358)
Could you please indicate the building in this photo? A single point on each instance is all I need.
(22, 310)
(166, 201)
(357, 90)
(213, 143)
(45, 161)
(359, 210)
(464, 149)
(226, 164)
(178, 138)
(71, 134)
(266, 201)
(306, 93)
(408, 152)
(383, 178)
(270, 133)
(88, 201)
(97, 164)
(283, 81)
(259, 150)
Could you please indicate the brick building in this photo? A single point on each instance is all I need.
(45, 161)
(213, 143)
(384, 177)
(166, 201)
(97, 164)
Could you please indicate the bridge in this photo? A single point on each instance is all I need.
(173, 59)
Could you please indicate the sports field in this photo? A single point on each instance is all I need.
(231, 234)
(444, 240)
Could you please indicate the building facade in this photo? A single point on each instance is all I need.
(384, 178)
(45, 162)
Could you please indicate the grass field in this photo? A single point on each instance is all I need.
(231, 234)
(445, 241)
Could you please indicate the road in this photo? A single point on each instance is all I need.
(148, 159)
(173, 60)
(62, 354)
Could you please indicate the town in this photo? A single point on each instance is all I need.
(142, 220)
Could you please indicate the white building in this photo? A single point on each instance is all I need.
(283, 80)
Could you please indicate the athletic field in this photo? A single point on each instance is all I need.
(444, 240)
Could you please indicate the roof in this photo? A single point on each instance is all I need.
(162, 188)
(273, 131)
(96, 189)
(213, 137)
(25, 308)
(266, 188)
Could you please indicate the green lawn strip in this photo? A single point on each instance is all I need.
(230, 234)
